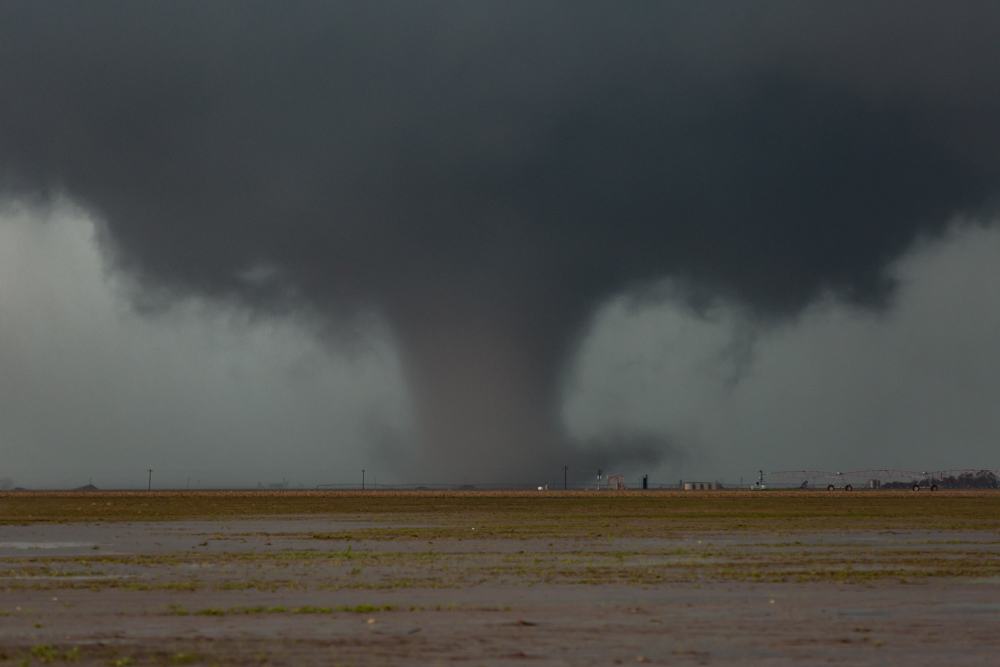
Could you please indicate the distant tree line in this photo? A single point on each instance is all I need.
(979, 479)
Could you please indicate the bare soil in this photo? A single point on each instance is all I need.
(586, 578)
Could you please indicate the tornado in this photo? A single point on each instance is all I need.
(485, 175)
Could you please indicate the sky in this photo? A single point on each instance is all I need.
(454, 242)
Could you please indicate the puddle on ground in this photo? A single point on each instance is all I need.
(965, 607)
(71, 577)
(45, 545)
(862, 613)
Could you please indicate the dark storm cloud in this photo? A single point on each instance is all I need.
(486, 173)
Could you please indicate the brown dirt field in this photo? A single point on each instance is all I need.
(293, 578)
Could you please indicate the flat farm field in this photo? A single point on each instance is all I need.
(481, 577)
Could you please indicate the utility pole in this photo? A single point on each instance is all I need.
(565, 471)
(362, 479)
(150, 486)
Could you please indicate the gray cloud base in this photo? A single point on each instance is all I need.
(485, 174)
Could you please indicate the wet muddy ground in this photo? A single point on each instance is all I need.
(395, 589)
